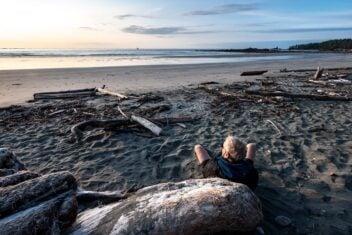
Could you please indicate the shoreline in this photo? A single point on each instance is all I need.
(18, 86)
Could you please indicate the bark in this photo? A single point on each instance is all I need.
(197, 206)
(48, 217)
(29, 193)
(17, 178)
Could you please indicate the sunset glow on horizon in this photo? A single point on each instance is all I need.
(168, 24)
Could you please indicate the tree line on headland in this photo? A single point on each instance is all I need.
(330, 45)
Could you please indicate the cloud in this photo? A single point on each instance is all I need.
(223, 9)
(305, 30)
(125, 16)
(161, 30)
(88, 28)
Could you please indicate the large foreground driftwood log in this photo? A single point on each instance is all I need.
(197, 206)
(301, 96)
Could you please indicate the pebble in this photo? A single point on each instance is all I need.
(283, 220)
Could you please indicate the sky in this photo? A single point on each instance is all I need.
(171, 24)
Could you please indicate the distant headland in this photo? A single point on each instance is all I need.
(335, 45)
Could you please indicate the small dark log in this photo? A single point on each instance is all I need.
(301, 96)
(65, 94)
(197, 206)
(17, 178)
(253, 73)
(49, 217)
(30, 192)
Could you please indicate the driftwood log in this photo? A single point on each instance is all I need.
(107, 92)
(65, 94)
(197, 206)
(30, 192)
(48, 217)
(301, 96)
(156, 130)
(253, 73)
(313, 70)
(17, 178)
(77, 129)
(318, 73)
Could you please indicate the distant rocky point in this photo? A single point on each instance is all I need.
(330, 45)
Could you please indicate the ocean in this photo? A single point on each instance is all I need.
(11, 59)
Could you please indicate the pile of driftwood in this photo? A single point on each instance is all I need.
(267, 87)
(48, 204)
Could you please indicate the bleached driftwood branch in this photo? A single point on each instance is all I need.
(318, 73)
(107, 92)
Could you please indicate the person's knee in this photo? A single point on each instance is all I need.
(197, 147)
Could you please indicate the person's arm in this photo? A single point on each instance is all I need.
(250, 152)
(201, 154)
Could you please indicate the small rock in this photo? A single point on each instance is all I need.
(260, 231)
(283, 220)
(333, 174)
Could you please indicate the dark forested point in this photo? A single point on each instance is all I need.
(330, 45)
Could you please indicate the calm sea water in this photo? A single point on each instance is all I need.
(73, 58)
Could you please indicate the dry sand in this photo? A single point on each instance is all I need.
(295, 166)
(17, 86)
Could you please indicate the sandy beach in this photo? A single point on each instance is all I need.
(18, 86)
(304, 146)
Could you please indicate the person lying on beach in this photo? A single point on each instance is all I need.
(235, 163)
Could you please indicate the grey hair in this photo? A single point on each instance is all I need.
(235, 147)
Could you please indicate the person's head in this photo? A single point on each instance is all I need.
(233, 149)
